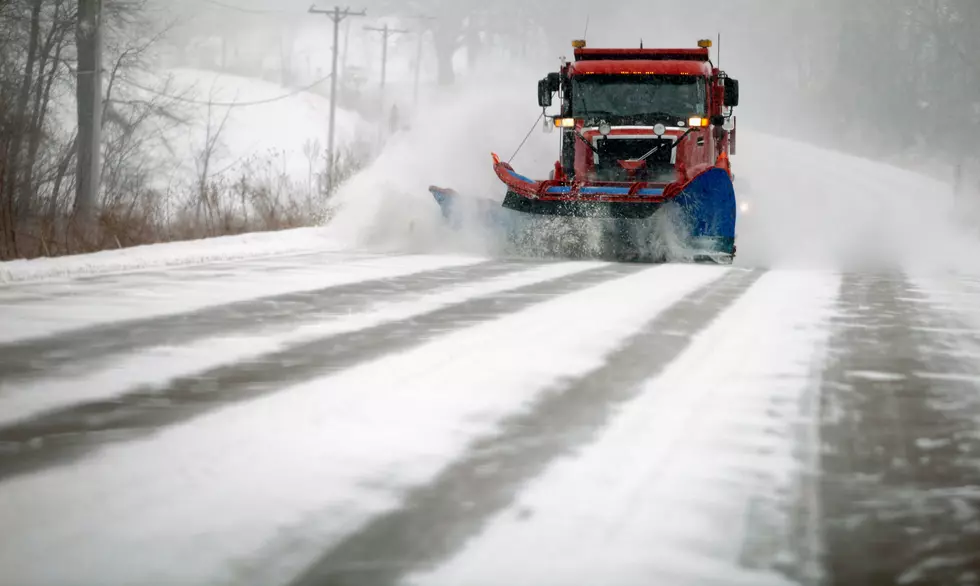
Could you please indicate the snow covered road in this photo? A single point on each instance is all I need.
(337, 418)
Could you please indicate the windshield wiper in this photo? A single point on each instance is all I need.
(674, 145)
(586, 141)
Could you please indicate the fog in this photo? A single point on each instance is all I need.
(854, 120)
(261, 408)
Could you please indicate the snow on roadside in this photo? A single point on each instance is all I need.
(263, 139)
(819, 208)
(275, 131)
(170, 254)
(89, 304)
(156, 366)
(251, 493)
(666, 493)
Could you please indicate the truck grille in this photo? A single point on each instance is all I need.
(611, 150)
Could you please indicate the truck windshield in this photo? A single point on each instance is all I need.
(638, 95)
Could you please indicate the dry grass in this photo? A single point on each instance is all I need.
(256, 201)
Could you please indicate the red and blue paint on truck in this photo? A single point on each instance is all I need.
(639, 129)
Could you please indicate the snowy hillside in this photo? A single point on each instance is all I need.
(268, 128)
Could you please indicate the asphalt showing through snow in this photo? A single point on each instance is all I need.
(23, 359)
(62, 435)
(891, 496)
(435, 519)
(900, 490)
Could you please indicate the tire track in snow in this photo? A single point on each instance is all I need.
(25, 360)
(691, 482)
(437, 518)
(901, 458)
(64, 435)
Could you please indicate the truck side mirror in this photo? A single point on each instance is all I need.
(546, 89)
(731, 92)
(544, 93)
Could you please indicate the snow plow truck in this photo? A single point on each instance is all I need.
(641, 131)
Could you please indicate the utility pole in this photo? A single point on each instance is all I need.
(88, 37)
(336, 15)
(343, 60)
(385, 33)
(418, 59)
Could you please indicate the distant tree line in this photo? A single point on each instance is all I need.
(880, 77)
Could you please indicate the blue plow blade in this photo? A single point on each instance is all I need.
(708, 208)
(484, 213)
(707, 216)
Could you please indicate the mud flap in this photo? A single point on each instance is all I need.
(708, 210)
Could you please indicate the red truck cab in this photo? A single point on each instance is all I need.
(658, 116)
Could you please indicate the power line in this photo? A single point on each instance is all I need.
(228, 104)
(245, 10)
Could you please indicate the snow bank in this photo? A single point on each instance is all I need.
(169, 254)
